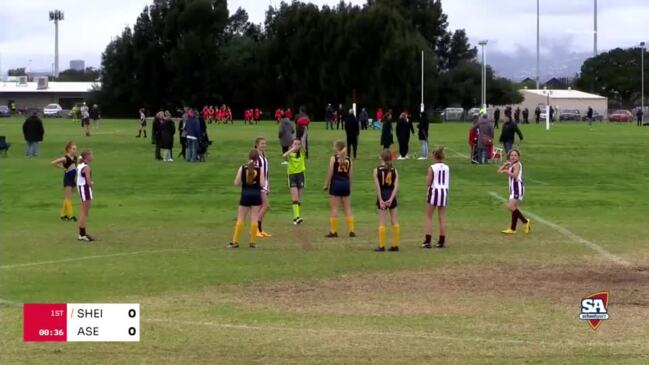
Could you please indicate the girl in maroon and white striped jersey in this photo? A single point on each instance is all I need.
(438, 181)
(514, 169)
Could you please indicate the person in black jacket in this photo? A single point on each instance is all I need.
(496, 117)
(167, 131)
(33, 132)
(155, 133)
(517, 115)
(387, 139)
(404, 129)
(352, 130)
(508, 134)
(526, 116)
(423, 136)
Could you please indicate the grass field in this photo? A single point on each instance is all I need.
(161, 232)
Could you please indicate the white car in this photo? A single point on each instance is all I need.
(53, 110)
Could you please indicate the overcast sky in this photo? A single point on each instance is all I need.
(509, 25)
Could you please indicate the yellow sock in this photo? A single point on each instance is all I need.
(396, 235)
(64, 208)
(254, 229)
(70, 208)
(237, 231)
(381, 236)
(333, 224)
(350, 224)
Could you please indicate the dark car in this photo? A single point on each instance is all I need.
(570, 114)
(4, 111)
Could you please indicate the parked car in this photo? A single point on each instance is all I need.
(624, 116)
(53, 110)
(570, 114)
(4, 111)
(453, 114)
(473, 113)
(596, 117)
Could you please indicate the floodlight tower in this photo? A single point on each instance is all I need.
(483, 89)
(56, 16)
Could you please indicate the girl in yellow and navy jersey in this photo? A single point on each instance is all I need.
(386, 181)
(69, 165)
(251, 179)
(338, 183)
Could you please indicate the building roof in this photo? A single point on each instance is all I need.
(564, 94)
(52, 87)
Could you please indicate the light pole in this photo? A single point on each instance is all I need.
(595, 30)
(547, 93)
(538, 44)
(642, 49)
(56, 16)
(422, 82)
(483, 90)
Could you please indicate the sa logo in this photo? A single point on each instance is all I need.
(594, 309)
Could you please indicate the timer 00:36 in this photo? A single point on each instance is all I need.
(46, 332)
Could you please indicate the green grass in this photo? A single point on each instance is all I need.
(162, 230)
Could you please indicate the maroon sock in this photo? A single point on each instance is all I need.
(82, 231)
(514, 220)
(520, 216)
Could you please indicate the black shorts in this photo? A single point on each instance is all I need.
(143, 124)
(69, 179)
(251, 198)
(296, 180)
(85, 122)
(385, 195)
(340, 188)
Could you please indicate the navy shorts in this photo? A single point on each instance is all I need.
(385, 195)
(340, 189)
(69, 179)
(250, 198)
(296, 180)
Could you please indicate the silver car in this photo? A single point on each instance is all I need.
(53, 110)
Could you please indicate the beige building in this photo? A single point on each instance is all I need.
(563, 100)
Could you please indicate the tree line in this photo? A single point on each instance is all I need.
(193, 52)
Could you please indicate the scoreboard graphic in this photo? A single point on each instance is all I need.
(81, 322)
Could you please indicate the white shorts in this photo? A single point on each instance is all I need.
(437, 197)
(85, 192)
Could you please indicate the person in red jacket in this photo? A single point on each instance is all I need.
(278, 115)
(379, 114)
(205, 113)
(289, 114)
(211, 114)
(257, 115)
(228, 115)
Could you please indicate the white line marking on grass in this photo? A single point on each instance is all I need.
(8, 302)
(382, 334)
(536, 181)
(463, 155)
(593, 246)
(93, 257)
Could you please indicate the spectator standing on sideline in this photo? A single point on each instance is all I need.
(379, 115)
(182, 135)
(517, 115)
(94, 115)
(639, 114)
(286, 135)
(352, 130)
(496, 118)
(167, 132)
(507, 135)
(537, 114)
(485, 133)
(329, 117)
(589, 116)
(364, 119)
(526, 116)
(156, 128)
(33, 132)
(193, 132)
(289, 114)
(85, 119)
(422, 130)
(142, 124)
(551, 114)
(302, 121)
(339, 118)
(508, 112)
(404, 129)
(387, 139)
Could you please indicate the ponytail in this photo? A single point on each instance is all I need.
(341, 147)
(253, 156)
